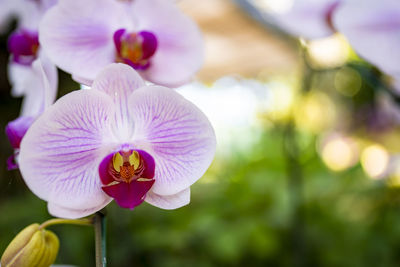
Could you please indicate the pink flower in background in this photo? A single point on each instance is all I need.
(120, 140)
(309, 18)
(373, 29)
(25, 51)
(152, 36)
(42, 92)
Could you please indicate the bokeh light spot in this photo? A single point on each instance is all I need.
(316, 112)
(348, 81)
(339, 153)
(375, 160)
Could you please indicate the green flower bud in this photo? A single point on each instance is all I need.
(33, 246)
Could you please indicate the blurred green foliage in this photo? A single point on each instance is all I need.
(240, 216)
(241, 212)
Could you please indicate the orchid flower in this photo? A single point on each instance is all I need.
(42, 93)
(31, 73)
(309, 19)
(119, 140)
(373, 29)
(152, 36)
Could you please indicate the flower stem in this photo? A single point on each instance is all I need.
(99, 221)
(86, 221)
(295, 187)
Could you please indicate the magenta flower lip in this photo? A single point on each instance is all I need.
(23, 46)
(127, 176)
(121, 140)
(16, 129)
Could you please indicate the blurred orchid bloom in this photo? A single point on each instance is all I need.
(120, 140)
(42, 92)
(373, 29)
(23, 45)
(152, 36)
(309, 19)
(21, 72)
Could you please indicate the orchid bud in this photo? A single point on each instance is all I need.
(33, 246)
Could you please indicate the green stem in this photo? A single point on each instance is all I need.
(86, 221)
(295, 187)
(99, 222)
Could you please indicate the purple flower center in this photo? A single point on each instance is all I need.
(135, 49)
(24, 46)
(127, 176)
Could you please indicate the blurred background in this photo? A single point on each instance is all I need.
(307, 171)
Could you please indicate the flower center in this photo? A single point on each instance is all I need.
(127, 176)
(127, 166)
(135, 49)
(24, 46)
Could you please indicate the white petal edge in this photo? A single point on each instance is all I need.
(62, 212)
(41, 87)
(170, 202)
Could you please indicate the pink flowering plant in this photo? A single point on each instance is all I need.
(121, 140)
(152, 36)
(128, 138)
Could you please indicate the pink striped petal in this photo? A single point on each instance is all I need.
(119, 81)
(175, 133)
(63, 148)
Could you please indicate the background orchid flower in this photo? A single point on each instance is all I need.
(373, 29)
(41, 94)
(309, 19)
(119, 140)
(152, 36)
